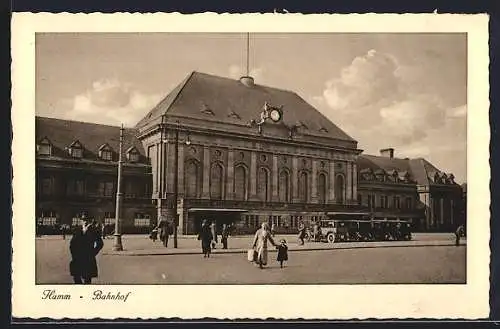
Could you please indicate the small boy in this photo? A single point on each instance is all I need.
(282, 252)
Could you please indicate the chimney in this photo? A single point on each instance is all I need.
(388, 153)
(247, 81)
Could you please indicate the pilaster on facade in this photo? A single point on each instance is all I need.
(253, 176)
(230, 175)
(205, 192)
(274, 179)
(349, 182)
(441, 210)
(355, 181)
(180, 171)
(314, 182)
(295, 179)
(331, 189)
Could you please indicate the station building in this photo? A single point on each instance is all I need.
(236, 163)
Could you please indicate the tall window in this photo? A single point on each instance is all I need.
(106, 189)
(263, 184)
(191, 179)
(340, 188)
(284, 186)
(303, 187)
(76, 152)
(216, 181)
(384, 201)
(322, 188)
(240, 183)
(47, 185)
(132, 155)
(396, 202)
(409, 204)
(75, 187)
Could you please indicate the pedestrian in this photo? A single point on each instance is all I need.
(282, 252)
(458, 233)
(154, 234)
(84, 247)
(224, 235)
(316, 236)
(205, 236)
(164, 229)
(302, 232)
(262, 236)
(213, 228)
(273, 229)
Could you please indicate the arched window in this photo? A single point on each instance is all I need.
(303, 187)
(240, 183)
(322, 188)
(284, 186)
(263, 184)
(191, 179)
(340, 188)
(216, 175)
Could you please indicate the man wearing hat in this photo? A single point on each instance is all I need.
(84, 247)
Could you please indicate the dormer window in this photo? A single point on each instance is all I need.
(132, 154)
(44, 147)
(105, 152)
(76, 150)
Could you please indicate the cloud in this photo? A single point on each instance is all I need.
(236, 72)
(110, 101)
(382, 103)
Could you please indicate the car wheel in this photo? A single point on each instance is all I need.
(330, 237)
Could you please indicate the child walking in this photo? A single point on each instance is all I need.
(282, 252)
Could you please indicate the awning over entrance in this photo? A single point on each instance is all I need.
(216, 210)
(347, 213)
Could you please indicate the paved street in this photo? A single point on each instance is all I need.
(430, 258)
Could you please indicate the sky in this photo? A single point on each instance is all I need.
(406, 91)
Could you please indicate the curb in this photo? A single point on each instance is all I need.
(244, 251)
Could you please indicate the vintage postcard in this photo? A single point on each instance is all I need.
(250, 166)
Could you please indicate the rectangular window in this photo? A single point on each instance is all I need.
(396, 202)
(109, 218)
(106, 155)
(47, 186)
(384, 202)
(409, 203)
(45, 149)
(48, 218)
(142, 220)
(106, 189)
(76, 152)
(133, 156)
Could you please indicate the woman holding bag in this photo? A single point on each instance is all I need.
(260, 244)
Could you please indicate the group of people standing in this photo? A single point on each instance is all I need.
(209, 238)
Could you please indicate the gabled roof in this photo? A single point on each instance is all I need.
(419, 169)
(63, 133)
(211, 98)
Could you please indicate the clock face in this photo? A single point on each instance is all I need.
(275, 115)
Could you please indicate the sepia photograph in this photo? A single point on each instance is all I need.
(235, 161)
(162, 153)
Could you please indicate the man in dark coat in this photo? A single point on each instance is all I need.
(84, 246)
(206, 238)
(224, 235)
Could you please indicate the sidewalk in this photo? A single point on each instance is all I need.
(240, 245)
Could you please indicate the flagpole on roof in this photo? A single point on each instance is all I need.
(248, 54)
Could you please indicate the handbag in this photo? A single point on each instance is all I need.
(252, 255)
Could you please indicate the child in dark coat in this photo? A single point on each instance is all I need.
(282, 252)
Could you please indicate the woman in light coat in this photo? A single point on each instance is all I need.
(260, 244)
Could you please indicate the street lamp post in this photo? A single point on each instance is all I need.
(118, 246)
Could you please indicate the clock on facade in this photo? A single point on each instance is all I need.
(275, 115)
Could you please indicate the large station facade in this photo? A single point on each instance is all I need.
(235, 164)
